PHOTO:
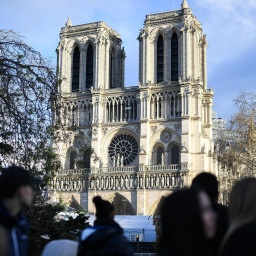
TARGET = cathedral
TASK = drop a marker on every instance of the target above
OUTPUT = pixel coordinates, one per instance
(133, 145)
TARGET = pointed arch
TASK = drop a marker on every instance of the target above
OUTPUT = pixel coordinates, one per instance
(75, 69)
(157, 154)
(112, 68)
(89, 66)
(174, 57)
(155, 208)
(173, 154)
(72, 161)
(87, 159)
(160, 59)
(121, 204)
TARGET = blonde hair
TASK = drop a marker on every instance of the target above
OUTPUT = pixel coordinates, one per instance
(242, 205)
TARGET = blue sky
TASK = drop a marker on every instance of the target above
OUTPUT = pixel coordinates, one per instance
(229, 26)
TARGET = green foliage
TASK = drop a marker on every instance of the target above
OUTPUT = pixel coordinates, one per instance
(44, 222)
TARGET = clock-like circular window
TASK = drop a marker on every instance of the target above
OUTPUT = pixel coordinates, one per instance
(166, 136)
(123, 149)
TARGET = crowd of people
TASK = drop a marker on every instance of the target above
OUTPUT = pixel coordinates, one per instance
(192, 222)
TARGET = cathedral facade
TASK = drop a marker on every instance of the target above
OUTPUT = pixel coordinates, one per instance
(132, 145)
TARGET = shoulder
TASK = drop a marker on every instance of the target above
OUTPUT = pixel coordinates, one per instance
(61, 247)
(242, 241)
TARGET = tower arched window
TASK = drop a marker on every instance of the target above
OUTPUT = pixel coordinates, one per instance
(72, 160)
(112, 69)
(175, 155)
(89, 66)
(75, 69)
(160, 59)
(87, 163)
(174, 57)
(159, 155)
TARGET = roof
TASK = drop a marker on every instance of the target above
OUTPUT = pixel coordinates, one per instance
(132, 222)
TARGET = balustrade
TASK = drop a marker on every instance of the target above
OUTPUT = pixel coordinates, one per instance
(121, 178)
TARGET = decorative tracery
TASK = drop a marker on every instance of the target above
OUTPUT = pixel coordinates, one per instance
(123, 149)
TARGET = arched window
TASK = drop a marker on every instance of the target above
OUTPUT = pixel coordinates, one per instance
(175, 155)
(87, 162)
(75, 69)
(112, 69)
(159, 155)
(72, 160)
(174, 57)
(160, 59)
(89, 66)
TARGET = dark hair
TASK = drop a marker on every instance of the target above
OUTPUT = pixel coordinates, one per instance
(103, 207)
(209, 183)
(182, 226)
(11, 179)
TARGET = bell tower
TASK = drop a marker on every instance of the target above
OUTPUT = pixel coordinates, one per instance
(172, 46)
(90, 56)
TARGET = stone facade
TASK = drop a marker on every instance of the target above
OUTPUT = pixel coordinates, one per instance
(148, 139)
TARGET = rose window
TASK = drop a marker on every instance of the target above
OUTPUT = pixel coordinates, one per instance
(123, 149)
(166, 136)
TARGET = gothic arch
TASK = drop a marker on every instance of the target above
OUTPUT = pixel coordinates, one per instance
(158, 154)
(71, 156)
(112, 67)
(75, 68)
(71, 44)
(105, 142)
(155, 208)
(156, 136)
(157, 32)
(88, 41)
(90, 56)
(121, 204)
(173, 29)
(174, 57)
(173, 153)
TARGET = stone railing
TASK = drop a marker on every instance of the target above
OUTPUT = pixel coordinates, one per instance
(121, 178)
(72, 172)
(124, 169)
(112, 181)
(160, 168)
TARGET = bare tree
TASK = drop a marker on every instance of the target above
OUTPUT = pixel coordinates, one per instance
(28, 93)
(236, 145)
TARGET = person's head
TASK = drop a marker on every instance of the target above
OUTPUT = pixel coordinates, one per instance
(242, 201)
(188, 221)
(16, 183)
(209, 183)
(104, 209)
(242, 205)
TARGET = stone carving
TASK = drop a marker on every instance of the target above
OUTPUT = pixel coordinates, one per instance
(79, 142)
(153, 129)
(177, 127)
(104, 130)
(137, 129)
(95, 131)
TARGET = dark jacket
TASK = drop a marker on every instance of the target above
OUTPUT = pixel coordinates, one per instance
(105, 238)
(16, 230)
(242, 242)
(222, 226)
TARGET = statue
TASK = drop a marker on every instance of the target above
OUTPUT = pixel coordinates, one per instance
(162, 159)
(122, 160)
(118, 160)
